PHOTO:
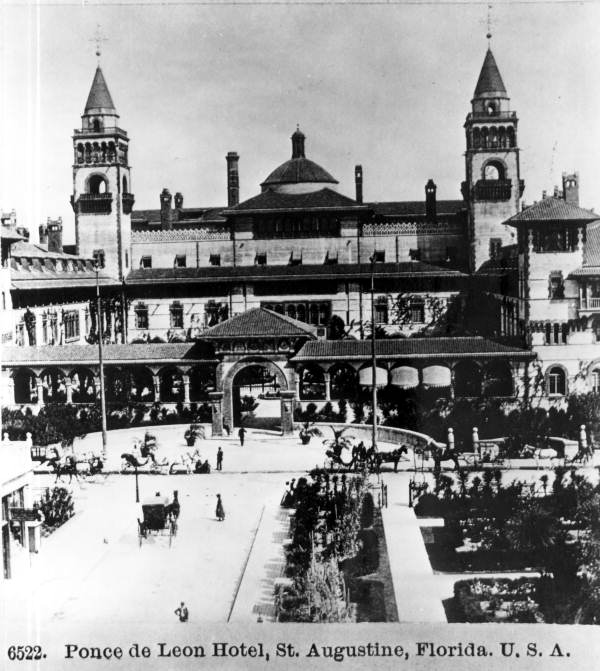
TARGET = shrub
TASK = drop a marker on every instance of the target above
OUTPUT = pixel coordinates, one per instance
(57, 506)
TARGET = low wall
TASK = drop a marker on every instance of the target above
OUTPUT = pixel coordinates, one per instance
(386, 434)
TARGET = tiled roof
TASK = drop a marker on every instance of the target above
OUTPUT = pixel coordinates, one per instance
(407, 348)
(259, 322)
(552, 209)
(67, 281)
(99, 98)
(416, 208)
(272, 200)
(32, 250)
(126, 354)
(299, 170)
(591, 255)
(275, 273)
(187, 218)
(489, 80)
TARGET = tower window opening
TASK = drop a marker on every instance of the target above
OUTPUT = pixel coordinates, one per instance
(180, 261)
(97, 185)
(96, 125)
(556, 285)
(214, 259)
(146, 262)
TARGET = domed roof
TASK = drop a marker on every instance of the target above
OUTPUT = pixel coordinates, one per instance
(298, 169)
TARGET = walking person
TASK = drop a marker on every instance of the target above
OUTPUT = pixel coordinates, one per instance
(182, 612)
(219, 459)
(241, 435)
(220, 511)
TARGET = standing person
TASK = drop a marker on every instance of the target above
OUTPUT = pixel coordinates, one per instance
(219, 459)
(241, 434)
(182, 612)
(220, 511)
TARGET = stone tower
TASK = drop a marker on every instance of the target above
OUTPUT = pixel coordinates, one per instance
(102, 198)
(493, 185)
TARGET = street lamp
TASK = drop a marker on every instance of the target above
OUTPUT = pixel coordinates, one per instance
(373, 355)
(100, 363)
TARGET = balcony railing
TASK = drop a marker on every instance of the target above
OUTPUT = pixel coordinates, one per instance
(109, 130)
(493, 189)
(591, 303)
(95, 203)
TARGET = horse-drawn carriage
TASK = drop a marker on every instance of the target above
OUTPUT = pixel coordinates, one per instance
(159, 517)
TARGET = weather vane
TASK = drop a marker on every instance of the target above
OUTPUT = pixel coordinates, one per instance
(98, 39)
(489, 24)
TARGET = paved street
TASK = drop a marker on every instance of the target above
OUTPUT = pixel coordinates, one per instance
(93, 571)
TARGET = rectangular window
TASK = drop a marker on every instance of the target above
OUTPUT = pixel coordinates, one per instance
(180, 261)
(146, 262)
(417, 312)
(71, 324)
(415, 254)
(556, 285)
(99, 257)
(331, 259)
(378, 256)
(381, 310)
(495, 247)
(141, 316)
(176, 315)
(260, 259)
(215, 260)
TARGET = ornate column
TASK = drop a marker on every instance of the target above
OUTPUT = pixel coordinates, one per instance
(216, 398)
(452, 383)
(40, 390)
(10, 386)
(287, 412)
(186, 387)
(97, 386)
(69, 389)
(156, 382)
(327, 379)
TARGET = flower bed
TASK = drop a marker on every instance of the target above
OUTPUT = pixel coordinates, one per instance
(497, 600)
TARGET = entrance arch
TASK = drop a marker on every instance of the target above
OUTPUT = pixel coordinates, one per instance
(273, 380)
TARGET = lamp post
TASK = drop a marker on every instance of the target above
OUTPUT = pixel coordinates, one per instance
(100, 363)
(373, 355)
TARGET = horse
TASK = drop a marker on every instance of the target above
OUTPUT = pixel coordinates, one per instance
(440, 453)
(186, 460)
(378, 458)
(64, 466)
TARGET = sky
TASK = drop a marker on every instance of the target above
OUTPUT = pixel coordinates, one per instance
(387, 85)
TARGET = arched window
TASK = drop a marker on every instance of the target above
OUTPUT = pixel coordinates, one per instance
(476, 138)
(125, 184)
(557, 381)
(511, 137)
(96, 125)
(97, 184)
(491, 172)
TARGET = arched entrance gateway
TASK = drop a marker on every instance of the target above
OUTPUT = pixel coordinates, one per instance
(255, 349)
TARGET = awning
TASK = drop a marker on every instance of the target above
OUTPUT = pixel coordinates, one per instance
(436, 376)
(405, 377)
(365, 377)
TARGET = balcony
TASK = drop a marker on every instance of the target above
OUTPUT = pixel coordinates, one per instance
(109, 130)
(591, 303)
(95, 203)
(493, 189)
(127, 199)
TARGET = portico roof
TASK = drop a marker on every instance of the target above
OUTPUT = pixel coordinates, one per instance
(260, 323)
(408, 348)
(82, 355)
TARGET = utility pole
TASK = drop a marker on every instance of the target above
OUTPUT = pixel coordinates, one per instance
(101, 363)
(373, 355)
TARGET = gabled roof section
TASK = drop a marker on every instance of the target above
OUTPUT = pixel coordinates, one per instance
(99, 99)
(489, 80)
(315, 200)
(552, 209)
(259, 322)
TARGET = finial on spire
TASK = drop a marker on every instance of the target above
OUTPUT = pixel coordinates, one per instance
(98, 39)
(489, 24)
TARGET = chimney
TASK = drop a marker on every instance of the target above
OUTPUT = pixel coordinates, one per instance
(54, 229)
(178, 200)
(21, 230)
(358, 181)
(43, 234)
(233, 180)
(571, 188)
(430, 200)
(166, 221)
